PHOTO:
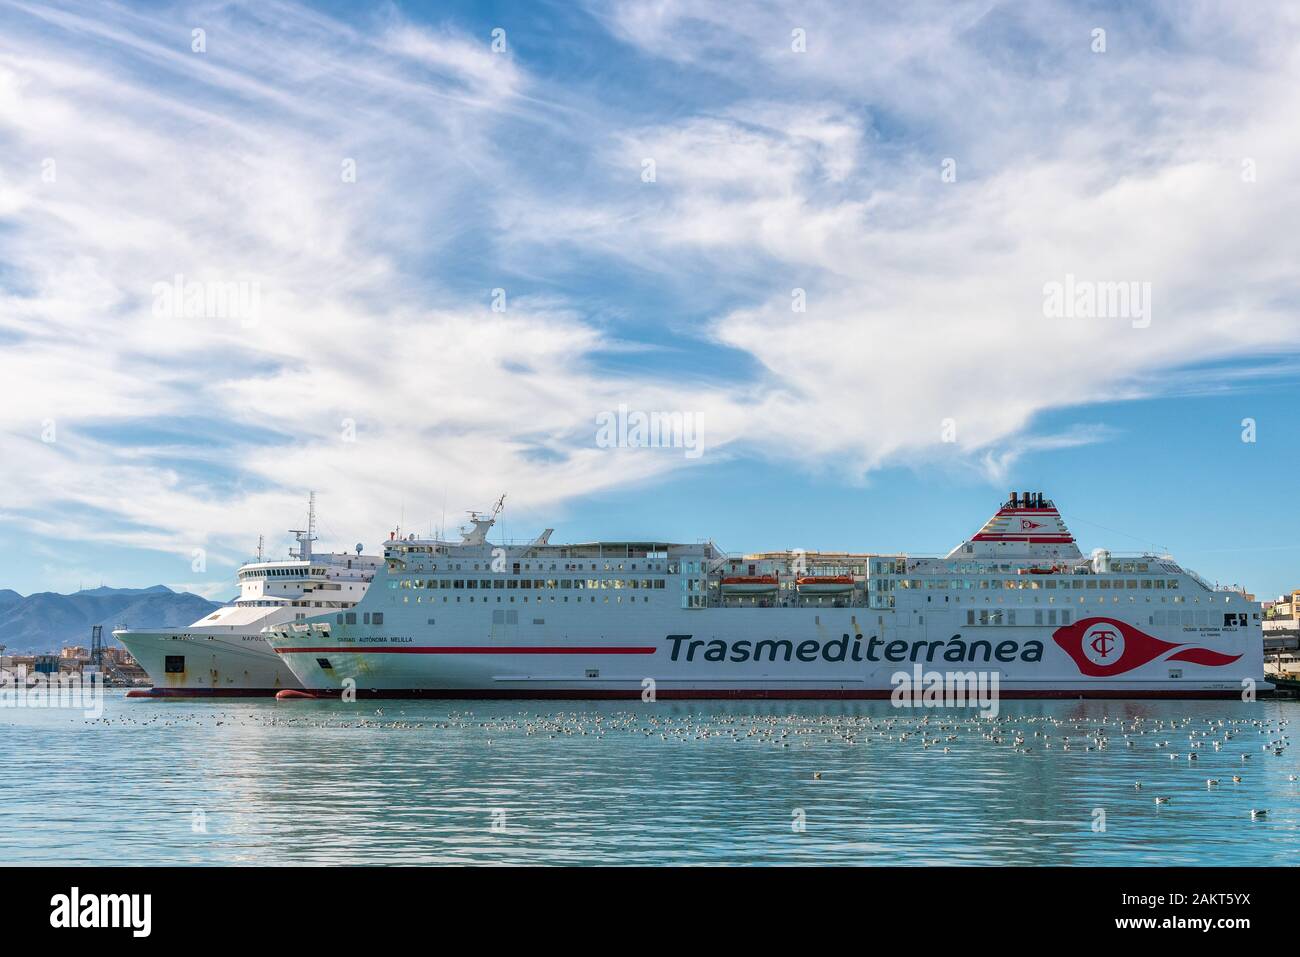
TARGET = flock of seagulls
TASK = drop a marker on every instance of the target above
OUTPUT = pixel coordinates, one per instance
(1182, 739)
(1217, 734)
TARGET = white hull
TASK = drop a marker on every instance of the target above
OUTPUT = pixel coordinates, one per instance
(677, 652)
(235, 663)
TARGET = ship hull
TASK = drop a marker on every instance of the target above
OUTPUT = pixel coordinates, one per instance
(228, 664)
(768, 653)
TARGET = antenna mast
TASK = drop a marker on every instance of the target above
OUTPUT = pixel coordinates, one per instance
(305, 538)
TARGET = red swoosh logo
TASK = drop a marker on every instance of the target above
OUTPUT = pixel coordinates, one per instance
(1204, 656)
(1104, 647)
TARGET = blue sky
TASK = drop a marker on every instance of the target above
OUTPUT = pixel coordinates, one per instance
(921, 174)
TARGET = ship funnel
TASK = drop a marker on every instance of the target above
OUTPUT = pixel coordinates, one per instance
(1027, 525)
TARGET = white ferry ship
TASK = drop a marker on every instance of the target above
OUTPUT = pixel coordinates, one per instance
(225, 653)
(616, 619)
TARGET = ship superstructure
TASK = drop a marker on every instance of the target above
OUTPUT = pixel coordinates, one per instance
(627, 619)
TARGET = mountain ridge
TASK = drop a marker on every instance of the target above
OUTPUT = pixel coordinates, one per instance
(44, 622)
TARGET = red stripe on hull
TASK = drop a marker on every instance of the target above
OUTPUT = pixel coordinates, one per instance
(203, 692)
(469, 650)
(745, 694)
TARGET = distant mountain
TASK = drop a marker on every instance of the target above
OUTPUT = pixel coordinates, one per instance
(105, 590)
(45, 622)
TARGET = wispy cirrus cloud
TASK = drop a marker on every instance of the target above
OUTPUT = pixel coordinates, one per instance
(378, 370)
(367, 374)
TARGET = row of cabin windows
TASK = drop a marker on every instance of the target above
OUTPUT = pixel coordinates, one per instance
(516, 567)
(285, 572)
(591, 584)
(1100, 599)
(1080, 600)
(1185, 618)
(1034, 584)
(244, 603)
(618, 599)
(1115, 566)
(367, 618)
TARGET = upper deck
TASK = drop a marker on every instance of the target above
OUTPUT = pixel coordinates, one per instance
(1002, 564)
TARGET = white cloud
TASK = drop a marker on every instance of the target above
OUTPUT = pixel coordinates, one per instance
(775, 170)
(924, 297)
(450, 400)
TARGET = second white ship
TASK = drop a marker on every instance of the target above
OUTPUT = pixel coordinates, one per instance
(225, 653)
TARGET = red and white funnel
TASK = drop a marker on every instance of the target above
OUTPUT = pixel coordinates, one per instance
(1026, 526)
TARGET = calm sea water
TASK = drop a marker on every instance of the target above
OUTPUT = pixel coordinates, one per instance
(261, 782)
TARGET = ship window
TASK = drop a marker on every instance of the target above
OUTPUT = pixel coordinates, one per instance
(377, 618)
(174, 664)
(325, 664)
(351, 618)
(338, 619)
(365, 618)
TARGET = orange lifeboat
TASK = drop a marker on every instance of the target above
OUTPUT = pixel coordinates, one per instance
(1039, 570)
(824, 584)
(749, 584)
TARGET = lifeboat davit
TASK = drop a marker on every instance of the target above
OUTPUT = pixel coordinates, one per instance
(824, 584)
(749, 584)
